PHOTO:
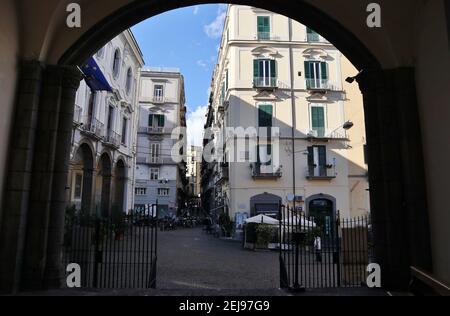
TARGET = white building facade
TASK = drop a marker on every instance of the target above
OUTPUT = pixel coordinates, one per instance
(161, 153)
(273, 72)
(103, 153)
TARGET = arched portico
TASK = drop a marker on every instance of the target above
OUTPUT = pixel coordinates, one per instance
(81, 178)
(388, 83)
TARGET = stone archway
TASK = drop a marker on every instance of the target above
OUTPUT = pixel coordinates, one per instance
(103, 186)
(120, 178)
(265, 203)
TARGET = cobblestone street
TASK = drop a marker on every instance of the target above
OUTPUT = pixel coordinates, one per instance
(191, 259)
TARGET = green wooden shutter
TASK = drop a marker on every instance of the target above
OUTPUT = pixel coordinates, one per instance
(322, 156)
(273, 68)
(150, 120)
(308, 70)
(318, 120)
(256, 68)
(310, 156)
(265, 115)
(162, 120)
(324, 70)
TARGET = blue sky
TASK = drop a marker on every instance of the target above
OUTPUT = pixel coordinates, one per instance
(188, 39)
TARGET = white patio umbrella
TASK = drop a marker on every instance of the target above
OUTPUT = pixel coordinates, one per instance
(262, 219)
(299, 221)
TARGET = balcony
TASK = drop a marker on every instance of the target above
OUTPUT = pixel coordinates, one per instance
(159, 99)
(266, 36)
(321, 134)
(92, 127)
(150, 160)
(318, 85)
(223, 173)
(112, 139)
(265, 83)
(315, 38)
(155, 130)
(314, 172)
(260, 171)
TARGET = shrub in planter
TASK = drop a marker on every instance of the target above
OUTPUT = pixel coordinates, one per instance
(226, 224)
(264, 235)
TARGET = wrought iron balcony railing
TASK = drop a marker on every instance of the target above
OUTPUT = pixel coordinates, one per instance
(320, 84)
(327, 172)
(92, 126)
(112, 138)
(265, 82)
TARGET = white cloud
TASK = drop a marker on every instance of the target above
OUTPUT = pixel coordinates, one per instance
(196, 9)
(202, 64)
(215, 28)
(195, 126)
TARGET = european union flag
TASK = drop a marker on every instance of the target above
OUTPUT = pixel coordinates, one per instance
(94, 76)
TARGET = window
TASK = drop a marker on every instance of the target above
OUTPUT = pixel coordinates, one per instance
(311, 35)
(263, 28)
(78, 186)
(116, 63)
(140, 191)
(110, 121)
(154, 174)
(318, 120)
(163, 192)
(158, 92)
(156, 120)
(129, 80)
(265, 114)
(124, 131)
(316, 73)
(264, 72)
(155, 152)
(317, 160)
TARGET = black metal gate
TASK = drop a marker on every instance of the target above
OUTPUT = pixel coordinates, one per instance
(115, 252)
(323, 252)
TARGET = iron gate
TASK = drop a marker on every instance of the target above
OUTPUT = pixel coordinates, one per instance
(115, 252)
(323, 253)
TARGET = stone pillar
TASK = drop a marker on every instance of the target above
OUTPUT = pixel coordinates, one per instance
(35, 251)
(17, 183)
(396, 174)
(54, 271)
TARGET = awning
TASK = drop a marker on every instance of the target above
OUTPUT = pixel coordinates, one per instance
(94, 76)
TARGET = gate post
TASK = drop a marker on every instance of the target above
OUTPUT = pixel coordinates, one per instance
(338, 249)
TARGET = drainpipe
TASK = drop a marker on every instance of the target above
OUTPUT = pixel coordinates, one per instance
(291, 66)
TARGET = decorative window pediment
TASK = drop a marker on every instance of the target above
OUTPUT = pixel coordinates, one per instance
(316, 53)
(264, 51)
